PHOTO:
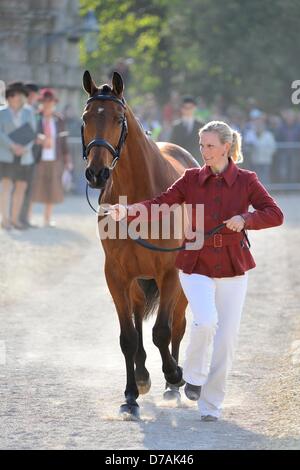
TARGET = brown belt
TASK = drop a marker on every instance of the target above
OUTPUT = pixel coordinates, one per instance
(224, 239)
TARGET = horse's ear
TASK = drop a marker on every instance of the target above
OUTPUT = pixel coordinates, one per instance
(118, 84)
(88, 83)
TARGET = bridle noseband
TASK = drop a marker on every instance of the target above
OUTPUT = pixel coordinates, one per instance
(99, 142)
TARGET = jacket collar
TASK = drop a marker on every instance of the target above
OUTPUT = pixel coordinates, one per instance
(229, 174)
(21, 113)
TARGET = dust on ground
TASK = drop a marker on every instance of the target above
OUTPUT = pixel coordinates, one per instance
(62, 373)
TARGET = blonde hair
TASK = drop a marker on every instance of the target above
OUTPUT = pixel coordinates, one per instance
(226, 134)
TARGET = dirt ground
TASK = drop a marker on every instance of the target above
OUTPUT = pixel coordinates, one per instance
(62, 374)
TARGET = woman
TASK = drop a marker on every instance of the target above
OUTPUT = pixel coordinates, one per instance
(54, 158)
(15, 159)
(214, 279)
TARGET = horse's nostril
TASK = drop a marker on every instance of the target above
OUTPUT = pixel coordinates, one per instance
(104, 174)
(94, 179)
(89, 174)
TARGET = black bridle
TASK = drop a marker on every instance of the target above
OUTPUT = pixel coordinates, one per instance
(98, 141)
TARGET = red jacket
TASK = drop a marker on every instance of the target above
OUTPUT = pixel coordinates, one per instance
(225, 195)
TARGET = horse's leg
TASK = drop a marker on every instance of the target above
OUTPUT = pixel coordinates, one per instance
(142, 376)
(119, 289)
(141, 373)
(178, 330)
(169, 288)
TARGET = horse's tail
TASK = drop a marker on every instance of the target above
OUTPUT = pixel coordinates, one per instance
(151, 292)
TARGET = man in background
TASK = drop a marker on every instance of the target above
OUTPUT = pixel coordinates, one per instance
(32, 103)
(185, 130)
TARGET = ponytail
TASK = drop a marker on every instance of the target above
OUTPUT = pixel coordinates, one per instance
(235, 151)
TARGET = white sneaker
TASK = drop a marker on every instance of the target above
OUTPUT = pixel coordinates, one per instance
(51, 224)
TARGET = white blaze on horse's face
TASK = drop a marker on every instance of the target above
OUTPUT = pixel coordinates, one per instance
(100, 110)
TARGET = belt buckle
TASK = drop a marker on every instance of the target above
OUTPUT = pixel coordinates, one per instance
(218, 240)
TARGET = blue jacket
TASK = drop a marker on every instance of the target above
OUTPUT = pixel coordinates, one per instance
(7, 126)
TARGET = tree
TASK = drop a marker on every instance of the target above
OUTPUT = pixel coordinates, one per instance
(132, 29)
(237, 49)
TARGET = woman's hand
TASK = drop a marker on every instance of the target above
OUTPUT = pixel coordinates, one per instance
(235, 223)
(40, 139)
(117, 212)
(18, 150)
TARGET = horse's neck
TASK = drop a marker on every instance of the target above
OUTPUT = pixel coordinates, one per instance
(139, 166)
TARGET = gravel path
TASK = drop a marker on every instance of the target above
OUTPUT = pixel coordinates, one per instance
(62, 373)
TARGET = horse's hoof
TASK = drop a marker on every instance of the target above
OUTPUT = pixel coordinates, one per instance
(172, 394)
(130, 412)
(176, 377)
(144, 386)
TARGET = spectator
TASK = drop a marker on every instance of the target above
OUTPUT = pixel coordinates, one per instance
(185, 132)
(33, 95)
(288, 157)
(54, 158)
(15, 159)
(249, 135)
(264, 147)
(236, 118)
(32, 103)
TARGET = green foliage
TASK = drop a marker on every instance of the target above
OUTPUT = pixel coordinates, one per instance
(237, 49)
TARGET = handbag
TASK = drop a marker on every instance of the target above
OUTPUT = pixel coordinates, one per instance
(67, 180)
(37, 152)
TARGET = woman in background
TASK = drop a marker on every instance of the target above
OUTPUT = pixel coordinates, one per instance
(54, 158)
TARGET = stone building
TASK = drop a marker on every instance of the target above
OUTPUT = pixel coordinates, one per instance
(39, 43)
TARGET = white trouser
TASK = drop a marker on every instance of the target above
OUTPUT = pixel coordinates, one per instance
(216, 305)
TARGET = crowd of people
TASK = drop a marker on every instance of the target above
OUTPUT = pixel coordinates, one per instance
(33, 154)
(35, 159)
(271, 143)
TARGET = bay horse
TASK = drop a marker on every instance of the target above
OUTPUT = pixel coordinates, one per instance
(122, 160)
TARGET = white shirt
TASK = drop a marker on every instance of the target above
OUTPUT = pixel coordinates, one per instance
(189, 124)
(48, 154)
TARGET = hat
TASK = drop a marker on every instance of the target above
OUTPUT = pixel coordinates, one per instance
(47, 94)
(15, 87)
(32, 87)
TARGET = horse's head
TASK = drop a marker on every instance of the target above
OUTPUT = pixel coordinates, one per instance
(104, 128)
